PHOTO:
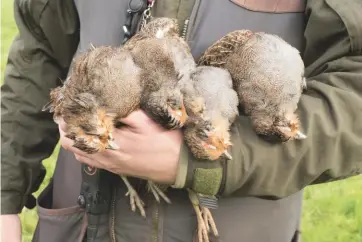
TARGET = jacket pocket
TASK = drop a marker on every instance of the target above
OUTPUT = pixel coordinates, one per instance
(58, 225)
(273, 6)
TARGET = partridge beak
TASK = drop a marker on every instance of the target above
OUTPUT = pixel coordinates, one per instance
(181, 115)
(227, 154)
(300, 135)
(112, 145)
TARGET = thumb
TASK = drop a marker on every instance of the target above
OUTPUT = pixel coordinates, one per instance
(62, 125)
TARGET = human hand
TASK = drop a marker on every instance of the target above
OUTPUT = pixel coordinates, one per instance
(146, 150)
(10, 228)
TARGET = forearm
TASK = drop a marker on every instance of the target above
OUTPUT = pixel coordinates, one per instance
(39, 57)
(331, 118)
(330, 112)
(10, 228)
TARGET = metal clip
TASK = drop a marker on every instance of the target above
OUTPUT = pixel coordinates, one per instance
(146, 15)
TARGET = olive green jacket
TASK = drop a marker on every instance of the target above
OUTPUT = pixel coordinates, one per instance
(330, 111)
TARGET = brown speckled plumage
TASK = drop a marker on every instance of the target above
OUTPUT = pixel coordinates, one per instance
(268, 75)
(103, 86)
(165, 59)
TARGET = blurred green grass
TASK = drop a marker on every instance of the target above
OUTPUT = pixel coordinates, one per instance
(332, 212)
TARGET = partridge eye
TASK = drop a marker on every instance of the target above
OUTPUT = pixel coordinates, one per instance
(202, 134)
(172, 104)
(92, 134)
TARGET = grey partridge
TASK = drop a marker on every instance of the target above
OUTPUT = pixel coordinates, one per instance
(207, 134)
(166, 63)
(103, 87)
(268, 75)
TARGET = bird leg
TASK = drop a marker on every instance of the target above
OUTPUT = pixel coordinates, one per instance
(156, 191)
(202, 228)
(209, 220)
(134, 198)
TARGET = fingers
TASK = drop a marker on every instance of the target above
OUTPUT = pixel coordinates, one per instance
(67, 143)
(88, 161)
(138, 119)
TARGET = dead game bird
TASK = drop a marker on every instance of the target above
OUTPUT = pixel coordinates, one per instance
(268, 75)
(167, 62)
(161, 97)
(103, 87)
(208, 135)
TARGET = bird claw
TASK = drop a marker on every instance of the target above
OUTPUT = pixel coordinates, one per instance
(135, 200)
(299, 135)
(227, 154)
(205, 221)
(157, 193)
(209, 221)
(112, 145)
(202, 228)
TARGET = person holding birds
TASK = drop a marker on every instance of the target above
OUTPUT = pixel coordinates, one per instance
(261, 184)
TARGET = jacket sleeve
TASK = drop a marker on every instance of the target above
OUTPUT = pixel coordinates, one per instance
(330, 113)
(39, 57)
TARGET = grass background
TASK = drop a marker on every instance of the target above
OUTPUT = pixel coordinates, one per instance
(332, 212)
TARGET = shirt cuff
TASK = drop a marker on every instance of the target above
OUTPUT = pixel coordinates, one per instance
(182, 167)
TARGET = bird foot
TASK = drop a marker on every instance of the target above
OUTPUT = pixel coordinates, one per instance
(209, 220)
(135, 200)
(202, 228)
(204, 219)
(157, 193)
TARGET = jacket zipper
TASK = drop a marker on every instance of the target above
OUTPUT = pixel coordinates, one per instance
(190, 22)
(113, 216)
(186, 31)
(155, 224)
(185, 28)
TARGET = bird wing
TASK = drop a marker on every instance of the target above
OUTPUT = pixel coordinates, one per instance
(215, 55)
(215, 85)
(158, 28)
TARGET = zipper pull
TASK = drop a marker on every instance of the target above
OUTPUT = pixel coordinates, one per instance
(184, 29)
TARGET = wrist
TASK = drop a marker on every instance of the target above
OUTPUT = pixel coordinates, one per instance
(202, 176)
